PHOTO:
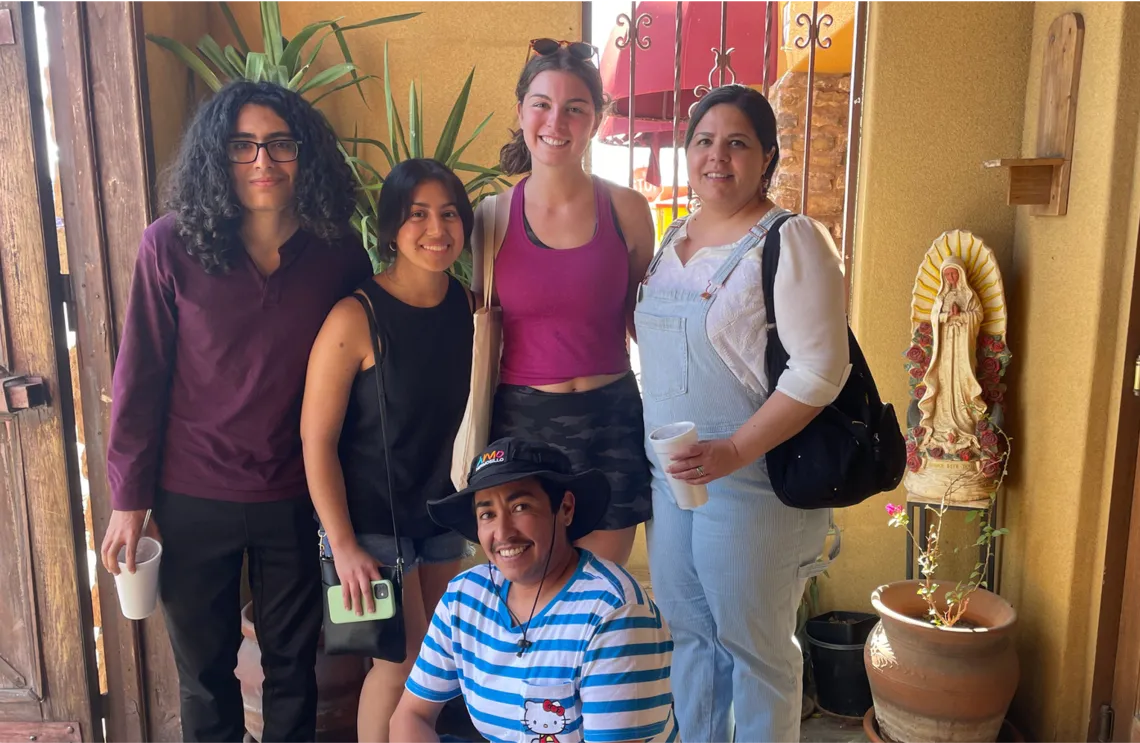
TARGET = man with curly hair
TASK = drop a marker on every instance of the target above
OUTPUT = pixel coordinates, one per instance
(230, 288)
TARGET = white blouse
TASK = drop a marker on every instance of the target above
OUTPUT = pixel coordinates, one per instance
(811, 312)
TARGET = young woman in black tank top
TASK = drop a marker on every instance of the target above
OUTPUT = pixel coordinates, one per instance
(424, 323)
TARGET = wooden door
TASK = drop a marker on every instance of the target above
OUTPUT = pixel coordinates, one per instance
(48, 681)
(1125, 715)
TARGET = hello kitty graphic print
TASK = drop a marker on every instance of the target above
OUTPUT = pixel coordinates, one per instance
(545, 719)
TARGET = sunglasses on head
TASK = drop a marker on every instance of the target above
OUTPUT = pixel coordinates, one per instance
(577, 49)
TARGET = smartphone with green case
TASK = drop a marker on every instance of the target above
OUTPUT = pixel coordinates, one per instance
(381, 593)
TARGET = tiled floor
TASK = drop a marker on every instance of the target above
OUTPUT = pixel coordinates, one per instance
(822, 727)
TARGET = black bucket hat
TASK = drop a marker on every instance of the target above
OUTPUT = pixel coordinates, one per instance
(510, 460)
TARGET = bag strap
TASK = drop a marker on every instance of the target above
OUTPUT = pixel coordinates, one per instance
(490, 247)
(379, 377)
(776, 356)
(670, 231)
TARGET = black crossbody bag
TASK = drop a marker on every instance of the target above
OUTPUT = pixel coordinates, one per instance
(854, 448)
(385, 639)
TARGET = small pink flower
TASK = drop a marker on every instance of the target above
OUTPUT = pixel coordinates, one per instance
(919, 391)
(994, 396)
(911, 447)
(913, 462)
(916, 354)
(991, 365)
(936, 452)
(989, 439)
(919, 432)
(991, 468)
(983, 425)
(925, 328)
(997, 346)
(964, 455)
(893, 509)
(918, 372)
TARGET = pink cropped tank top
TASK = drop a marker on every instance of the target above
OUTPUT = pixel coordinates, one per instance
(563, 310)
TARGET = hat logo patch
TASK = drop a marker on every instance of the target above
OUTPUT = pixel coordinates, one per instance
(491, 457)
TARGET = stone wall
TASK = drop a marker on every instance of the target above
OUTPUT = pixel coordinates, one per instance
(826, 176)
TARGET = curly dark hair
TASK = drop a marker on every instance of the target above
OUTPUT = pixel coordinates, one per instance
(200, 189)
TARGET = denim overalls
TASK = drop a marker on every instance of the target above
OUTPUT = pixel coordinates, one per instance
(728, 576)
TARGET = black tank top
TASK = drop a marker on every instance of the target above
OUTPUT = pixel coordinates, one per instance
(427, 376)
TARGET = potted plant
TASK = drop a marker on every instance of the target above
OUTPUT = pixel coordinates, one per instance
(941, 663)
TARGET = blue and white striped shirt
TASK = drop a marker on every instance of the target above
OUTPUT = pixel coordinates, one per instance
(598, 670)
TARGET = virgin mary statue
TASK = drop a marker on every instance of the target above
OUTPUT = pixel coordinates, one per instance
(952, 405)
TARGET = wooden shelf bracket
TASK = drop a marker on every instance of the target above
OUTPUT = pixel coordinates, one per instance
(1042, 182)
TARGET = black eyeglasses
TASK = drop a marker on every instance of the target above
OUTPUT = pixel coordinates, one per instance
(245, 151)
(577, 49)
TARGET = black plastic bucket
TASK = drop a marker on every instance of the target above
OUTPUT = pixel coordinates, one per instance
(835, 643)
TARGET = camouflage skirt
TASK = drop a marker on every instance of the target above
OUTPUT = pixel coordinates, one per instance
(599, 429)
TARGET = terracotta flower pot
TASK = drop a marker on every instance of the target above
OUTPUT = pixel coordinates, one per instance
(935, 684)
(339, 678)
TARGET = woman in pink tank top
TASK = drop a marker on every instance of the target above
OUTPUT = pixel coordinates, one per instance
(572, 254)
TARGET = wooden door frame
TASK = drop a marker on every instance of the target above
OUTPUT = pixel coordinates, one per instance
(102, 119)
(1116, 669)
(68, 704)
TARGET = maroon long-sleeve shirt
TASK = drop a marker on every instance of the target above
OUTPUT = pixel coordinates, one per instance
(211, 369)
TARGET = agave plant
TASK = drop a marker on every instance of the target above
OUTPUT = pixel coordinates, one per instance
(283, 61)
(403, 145)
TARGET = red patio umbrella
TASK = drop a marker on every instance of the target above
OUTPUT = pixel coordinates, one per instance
(656, 66)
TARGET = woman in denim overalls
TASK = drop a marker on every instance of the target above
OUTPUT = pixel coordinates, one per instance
(729, 574)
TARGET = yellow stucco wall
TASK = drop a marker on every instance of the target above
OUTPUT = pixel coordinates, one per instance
(933, 113)
(172, 87)
(1070, 292)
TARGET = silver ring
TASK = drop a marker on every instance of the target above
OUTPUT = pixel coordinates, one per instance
(700, 470)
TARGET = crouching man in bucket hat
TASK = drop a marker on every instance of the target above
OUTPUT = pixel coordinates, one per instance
(546, 643)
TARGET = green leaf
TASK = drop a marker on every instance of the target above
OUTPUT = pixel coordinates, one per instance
(983, 584)
(454, 121)
(316, 50)
(292, 54)
(478, 130)
(278, 74)
(971, 516)
(189, 58)
(478, 182)
(378, 21)
(375, 143)
(296, 79)
(236, 60)
(415, 130)
(342, 86)
(981, 541)
(395, 128)
(355, 134)
(326, 76)
(1002, 532)
(255, 66)
(469, 168)
(340, 40)
(211, 51)
(271, 31)
(232, 22)
(354, 162)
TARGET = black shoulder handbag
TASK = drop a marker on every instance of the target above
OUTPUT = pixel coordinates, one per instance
(385, 639)
(854, 448)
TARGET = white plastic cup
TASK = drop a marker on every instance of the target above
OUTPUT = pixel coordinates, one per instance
(665, 441)
(138, 591)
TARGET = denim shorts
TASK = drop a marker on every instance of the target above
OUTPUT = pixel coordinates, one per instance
(428, 551)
